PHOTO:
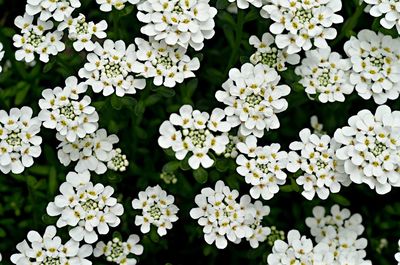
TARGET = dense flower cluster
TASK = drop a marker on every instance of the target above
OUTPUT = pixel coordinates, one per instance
(388, 10)
(49, 250)
(36, 38)
(326, 75)
(375, 65)
(268, 54)
(370, 148)
(89, 209)
(253, 98)
(118, 251)
(262, 167)
(158, 209)
(321, 171)
(59, 10)
(62, 110)
(225, 218)
(195, 133)
(300, 25)
(167, 64)
(93, 152)
(19, 142)
(181, 23)
(110, 69)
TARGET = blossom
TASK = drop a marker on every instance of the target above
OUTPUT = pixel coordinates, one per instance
(167, 64)
(62, 110)
(375, 65)
(110, 69)
(195, 133)
(300, 25)
(118, 251)
(1, 56)
(158, 209)
(370, 146)
(181, 23)
(118, 161)
(89, 209)
(224, 216)
(82, 32)
(58, 10)
(262, 167)
(268, 54)
(244, 4)
(325, 75)
(397, 256)
(253, 98)
(94, 152)
(321, 171)
(48, 250)
(19, 142)
(36, 38)
(107, 5)
(388, 10)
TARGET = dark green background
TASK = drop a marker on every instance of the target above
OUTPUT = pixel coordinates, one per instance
(136, 119)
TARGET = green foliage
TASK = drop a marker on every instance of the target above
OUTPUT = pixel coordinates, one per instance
(23, 198)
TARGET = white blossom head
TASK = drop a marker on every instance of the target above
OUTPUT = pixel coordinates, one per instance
(48, 9)
(118, 251)
(387, 10)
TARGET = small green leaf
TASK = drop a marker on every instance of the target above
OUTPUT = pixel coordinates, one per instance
(201, 175)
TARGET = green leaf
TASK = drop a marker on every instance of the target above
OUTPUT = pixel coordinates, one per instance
(200, 175)
(340, 199)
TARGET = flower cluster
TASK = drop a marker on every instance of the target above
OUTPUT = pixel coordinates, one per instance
(326, 75)
(375, 65)
(340, 231)
(118, 251)
(181, 23)
(167, 64)
(1, 56)
(321, 171)
(85, 207)
(107, 5)
(118, 161)
(36, 38)
(262, 167)
(58, 10)
(224, 218)
(197, 133)
(110, 69)
(49, 250)
(82, 32)
(93, 152)
(302, 24)
(253, 98)
(388, 10)
(370, 148)
(19, 142)
(62, 110)
(158, 209)
(268, 54)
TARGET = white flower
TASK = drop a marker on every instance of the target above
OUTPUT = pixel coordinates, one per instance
(93, 152)
(341, 231)
(178, 22)
(49, 250)
(224, 217)
(262, 167)
(375, 65)
(1, 56)
(397, 256)
(168, 65)
(118, 161)
(36, 38)
(321, 171)
(388, 10)
(110, 69)
(253, 98)
(117, 251)
(195, 133)
(62, 110)
(158, 209)
(302, 24)
(19, 142)
(243, 4)
(325, 75)
(107, 5)
(268, 54)
(88, 208)
(82, 32)
(370, 148)
(318, 127)
(59, 10)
